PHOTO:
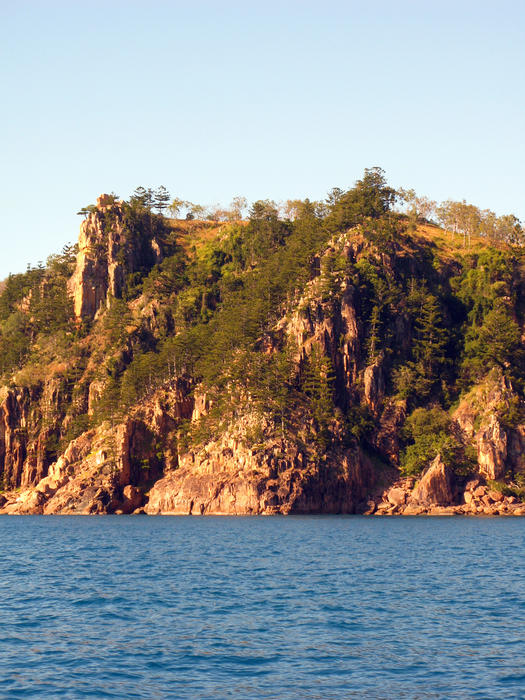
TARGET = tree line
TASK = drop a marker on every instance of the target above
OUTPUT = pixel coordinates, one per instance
(465, 219)
(459, 217)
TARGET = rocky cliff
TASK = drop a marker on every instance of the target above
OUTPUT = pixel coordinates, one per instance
(193, 396)
(107, 253)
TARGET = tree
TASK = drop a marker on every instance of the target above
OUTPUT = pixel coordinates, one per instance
(176, 206)
(374, 336)
(149, 200)
(86, 211)
(264, 210)
(139, 197)
(196, 211)
(418, 207)
(497, 342)
(509, 229)
(419, 375)
(269, 379)
(161, 199)
(448, 215)
(371, 197)
(291, 208)
(333, 197)
(318, 385)
(429, 431)
(238, 207)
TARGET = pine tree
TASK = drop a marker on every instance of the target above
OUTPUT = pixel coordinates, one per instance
(374, 337)
(139, 197)
(318, 385)
(161, 199)
(149, 201)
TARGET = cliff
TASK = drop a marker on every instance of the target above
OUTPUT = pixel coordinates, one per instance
(108, 251)
(279, 367)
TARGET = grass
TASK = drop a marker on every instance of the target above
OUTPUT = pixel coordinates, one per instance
(195, 233)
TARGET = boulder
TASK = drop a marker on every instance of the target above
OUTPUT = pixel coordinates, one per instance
(435, 486)
(396, 496)
(413, 509)
(133, 499)
(472, 484)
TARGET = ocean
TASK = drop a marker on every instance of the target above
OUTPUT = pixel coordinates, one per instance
(264, 607)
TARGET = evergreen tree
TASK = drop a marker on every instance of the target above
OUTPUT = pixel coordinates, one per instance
(370, 197)
(139, 197)
(496, 342)
(318, 385)
(161, 199)
(374, 337)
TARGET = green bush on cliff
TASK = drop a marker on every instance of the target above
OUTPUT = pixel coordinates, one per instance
(428, 430)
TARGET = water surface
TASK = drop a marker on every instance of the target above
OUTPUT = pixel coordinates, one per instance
(296, 607)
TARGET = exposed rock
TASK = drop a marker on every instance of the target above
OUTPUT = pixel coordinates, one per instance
(435, 486)
(110, 469)
(96, 389)
(413, 509)
(442, 510)
(492, 450)
(478, 419)
(397, 496)
(370, 507)
(106, 254)
(374, 384)
(471, 485)
(133, 499)
(136, 453)
(234, 480)
(29, 420)
(386, 438)
(105, 200)
(516, 449)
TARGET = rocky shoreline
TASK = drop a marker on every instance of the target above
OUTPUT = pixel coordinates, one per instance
(477, 500)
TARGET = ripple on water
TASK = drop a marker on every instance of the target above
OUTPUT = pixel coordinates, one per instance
(299, 607)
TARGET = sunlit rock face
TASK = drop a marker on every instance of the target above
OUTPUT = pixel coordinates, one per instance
(106, 254)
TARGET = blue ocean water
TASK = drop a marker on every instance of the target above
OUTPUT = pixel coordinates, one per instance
(296, 607)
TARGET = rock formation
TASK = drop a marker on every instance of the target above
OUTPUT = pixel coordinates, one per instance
(435, 486)
(59, 453)
(107, 252)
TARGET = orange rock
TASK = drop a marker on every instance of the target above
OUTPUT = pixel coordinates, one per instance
(435, 486)
(396, 496)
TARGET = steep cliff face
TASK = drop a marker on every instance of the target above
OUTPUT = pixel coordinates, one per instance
(231, 478)
(108, 469)
(107, 253)
(29, 427)
(481, 418)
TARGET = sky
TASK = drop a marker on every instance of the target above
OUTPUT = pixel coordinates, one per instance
(276, 100)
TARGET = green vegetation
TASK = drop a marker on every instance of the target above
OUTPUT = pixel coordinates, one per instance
(430, 433)
(236, 313)
(35, 305)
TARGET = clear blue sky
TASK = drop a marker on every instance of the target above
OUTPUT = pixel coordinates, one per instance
(261, 99)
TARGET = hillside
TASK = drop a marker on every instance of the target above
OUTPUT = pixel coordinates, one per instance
(348, 359)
